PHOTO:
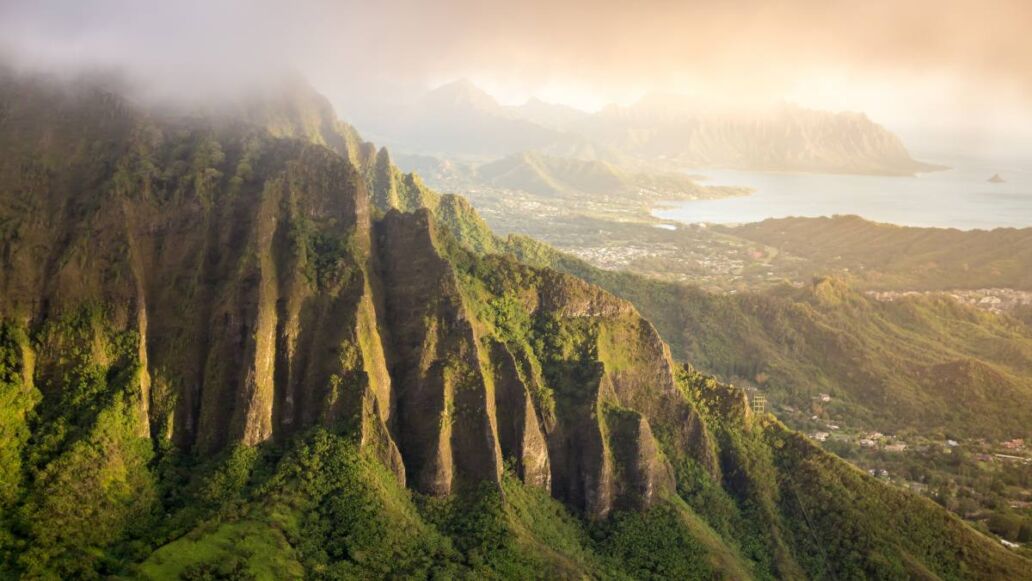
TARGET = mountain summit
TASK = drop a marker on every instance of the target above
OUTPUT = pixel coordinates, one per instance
(461, 95)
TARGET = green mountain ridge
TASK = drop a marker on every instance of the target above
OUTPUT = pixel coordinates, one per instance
(888, 257)
(231, 350)
(923, 363)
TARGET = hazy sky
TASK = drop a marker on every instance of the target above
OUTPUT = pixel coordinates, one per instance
(943, 66)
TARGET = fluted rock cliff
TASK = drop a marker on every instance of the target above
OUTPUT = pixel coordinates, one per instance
(232, 341)
(248, 270)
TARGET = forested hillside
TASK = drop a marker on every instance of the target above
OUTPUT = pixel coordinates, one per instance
(926, 363)
(243, 345)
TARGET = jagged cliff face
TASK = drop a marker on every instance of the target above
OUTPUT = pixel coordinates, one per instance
(182, 292)
(265, 299)
(214, 247)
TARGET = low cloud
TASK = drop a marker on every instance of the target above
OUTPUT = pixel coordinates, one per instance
(364, 49)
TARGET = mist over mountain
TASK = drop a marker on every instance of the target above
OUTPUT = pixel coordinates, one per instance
(782, 138)
(551, 115)
(459, 119)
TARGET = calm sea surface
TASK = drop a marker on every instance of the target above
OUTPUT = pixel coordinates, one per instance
(960, 197)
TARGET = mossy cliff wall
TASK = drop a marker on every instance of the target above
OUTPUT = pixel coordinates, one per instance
(264, 298)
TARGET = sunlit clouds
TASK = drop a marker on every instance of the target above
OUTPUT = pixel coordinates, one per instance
(941, 63)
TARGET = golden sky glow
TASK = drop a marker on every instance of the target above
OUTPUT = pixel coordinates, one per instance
(957, 63)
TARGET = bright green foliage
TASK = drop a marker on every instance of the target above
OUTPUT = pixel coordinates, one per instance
(88, 484)
(356, 519)
(666, 542)
(336, 513)
(17, 399)
(455, 214)
(244, 549)
(847, 525)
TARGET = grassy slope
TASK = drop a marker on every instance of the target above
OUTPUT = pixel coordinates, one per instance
(884, 256)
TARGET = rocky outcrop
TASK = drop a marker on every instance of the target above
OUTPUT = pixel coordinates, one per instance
(644, 475)
(520, 433)
(447, 429)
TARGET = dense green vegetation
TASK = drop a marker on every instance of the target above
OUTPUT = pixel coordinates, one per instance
(921, 362)
(288, 383)
(81, 479)
(888, 257)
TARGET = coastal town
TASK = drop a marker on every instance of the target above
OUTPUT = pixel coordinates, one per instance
(994, 300)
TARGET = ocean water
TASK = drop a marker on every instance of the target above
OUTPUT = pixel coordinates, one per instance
(960, 197)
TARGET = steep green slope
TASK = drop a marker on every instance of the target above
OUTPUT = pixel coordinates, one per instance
(884, 256)
(219, 358)
(925, 363)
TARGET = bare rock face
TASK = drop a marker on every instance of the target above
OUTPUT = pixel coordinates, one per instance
(646, 476)
(582, 464)
(447, 427)
(519, 429)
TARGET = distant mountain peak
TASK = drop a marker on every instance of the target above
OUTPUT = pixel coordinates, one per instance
(462, 93)
(552, 115)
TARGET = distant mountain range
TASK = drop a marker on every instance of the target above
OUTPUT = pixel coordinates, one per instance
(459, 119)
(549, 176)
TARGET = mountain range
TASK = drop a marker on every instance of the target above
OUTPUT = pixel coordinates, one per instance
(460, 120)
(243, 344)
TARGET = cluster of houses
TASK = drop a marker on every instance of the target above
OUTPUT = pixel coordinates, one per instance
(877, 440)
(878, 472)
(994, 300)
(1005, 451)
(1015, 444)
